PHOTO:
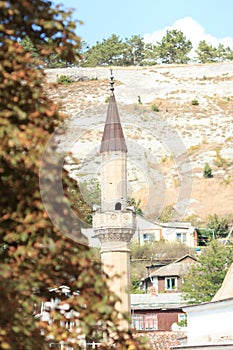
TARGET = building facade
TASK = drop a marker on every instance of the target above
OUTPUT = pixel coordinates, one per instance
(168, 278)
(161, 312)
(148, 231)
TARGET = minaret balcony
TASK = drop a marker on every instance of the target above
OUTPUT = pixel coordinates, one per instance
(114, 219)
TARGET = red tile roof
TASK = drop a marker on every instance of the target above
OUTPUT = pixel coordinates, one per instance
(163, 340)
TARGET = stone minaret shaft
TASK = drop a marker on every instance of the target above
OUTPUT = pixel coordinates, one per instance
(114, 225)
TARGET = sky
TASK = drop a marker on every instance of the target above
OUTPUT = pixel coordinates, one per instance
(209, 20)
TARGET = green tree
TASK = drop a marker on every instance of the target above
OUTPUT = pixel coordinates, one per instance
(221, 53)
(206, 53)
(219, 225)
(135, 286)
(205, 278)
(51, 61)
(229, 54)
(167, 214)
(151, 54)
(136, 50)
(174, 47)
(108, 52)
(112, 50)
(92, 57)
(91, 191)
(35, 256)
(207, 171)
(136, 204)
(85, 48)
(29, 47)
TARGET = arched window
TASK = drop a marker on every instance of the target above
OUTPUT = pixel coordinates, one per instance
(118, 206)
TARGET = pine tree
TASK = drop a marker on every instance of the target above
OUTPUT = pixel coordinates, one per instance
(174, 47)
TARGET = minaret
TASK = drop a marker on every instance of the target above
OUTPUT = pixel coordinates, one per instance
(114, 225)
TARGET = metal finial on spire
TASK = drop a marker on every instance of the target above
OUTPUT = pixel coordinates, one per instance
(113, 137)
(111, 81)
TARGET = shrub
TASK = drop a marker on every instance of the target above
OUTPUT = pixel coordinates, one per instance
(207, 171)
(164, 159)
(195, 102)
(219, 161)
(64, 79)
(155, 108)
(167, 214)
(139, 100)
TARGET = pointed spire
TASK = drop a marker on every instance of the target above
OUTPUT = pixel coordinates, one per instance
(113, 137)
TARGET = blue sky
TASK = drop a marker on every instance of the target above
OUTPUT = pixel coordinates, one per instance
(207, 19)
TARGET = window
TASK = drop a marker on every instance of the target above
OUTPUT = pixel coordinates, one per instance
(144, 322)
(170, 283)
(148, 237)
(118, 206)
(181, 237)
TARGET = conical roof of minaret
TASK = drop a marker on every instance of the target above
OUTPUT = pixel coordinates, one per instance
(113, 137)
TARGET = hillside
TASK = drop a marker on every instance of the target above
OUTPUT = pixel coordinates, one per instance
(167, 149)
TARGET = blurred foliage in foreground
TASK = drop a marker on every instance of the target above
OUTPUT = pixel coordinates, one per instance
(35, 256)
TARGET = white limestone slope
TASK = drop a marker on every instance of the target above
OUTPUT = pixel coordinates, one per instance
(167, 149)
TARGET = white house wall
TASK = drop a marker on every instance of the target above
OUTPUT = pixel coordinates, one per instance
(210, 322)
(170, 234)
